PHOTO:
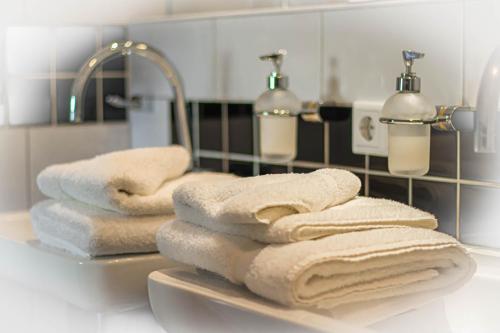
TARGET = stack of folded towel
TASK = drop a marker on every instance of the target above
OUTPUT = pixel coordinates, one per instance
(308, 240)
(113, 203)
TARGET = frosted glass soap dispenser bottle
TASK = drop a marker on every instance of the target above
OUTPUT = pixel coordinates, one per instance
(408, 114)
(277, 109)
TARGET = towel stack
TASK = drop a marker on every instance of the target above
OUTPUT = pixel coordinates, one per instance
(308, 240)
(113, 203)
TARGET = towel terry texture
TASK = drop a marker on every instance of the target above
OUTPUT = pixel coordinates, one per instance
(89, 231)
(328, 272)
(133, 182)
(265, 199)
(357, 214)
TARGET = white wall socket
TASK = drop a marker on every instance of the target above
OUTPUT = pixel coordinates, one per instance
(369, 135)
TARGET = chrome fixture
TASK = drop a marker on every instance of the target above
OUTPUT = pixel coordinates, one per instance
(119, 102)
(125, 48)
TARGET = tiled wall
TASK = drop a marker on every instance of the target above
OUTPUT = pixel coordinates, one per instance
(25, 151)
(41, 64)
(38, 66)
(64, 12)
(342, 55)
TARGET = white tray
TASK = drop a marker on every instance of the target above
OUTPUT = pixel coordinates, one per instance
(184, 299)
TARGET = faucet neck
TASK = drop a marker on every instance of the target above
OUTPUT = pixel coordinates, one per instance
(125, 48)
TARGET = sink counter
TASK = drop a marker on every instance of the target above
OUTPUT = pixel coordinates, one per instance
(113, 283)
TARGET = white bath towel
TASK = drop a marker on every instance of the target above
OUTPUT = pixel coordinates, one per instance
(88, 231)
(265, 199)
(133, 182)
(358, 214)
(324, 273)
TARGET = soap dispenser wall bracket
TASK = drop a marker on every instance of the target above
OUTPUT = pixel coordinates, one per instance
(448, 118)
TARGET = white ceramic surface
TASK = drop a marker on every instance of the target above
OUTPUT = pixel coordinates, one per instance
(20, 43)
(107, 284)
(197, 6)
(73, 46)
(481, 37)
(362, 51)
(241, 40)
(24, 310)
(177, 295)
(29, 101)
(13, 170)
(50, 145)
(190, 46)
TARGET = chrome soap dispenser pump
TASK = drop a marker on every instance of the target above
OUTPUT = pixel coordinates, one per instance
(408, 114)
(277, 109)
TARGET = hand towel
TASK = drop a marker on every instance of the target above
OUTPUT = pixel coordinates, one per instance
(87, 231)
(358, 214)
(265, 199)
(132, 182)
(328, 272)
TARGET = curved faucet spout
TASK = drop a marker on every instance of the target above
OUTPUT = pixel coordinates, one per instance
(118, 49)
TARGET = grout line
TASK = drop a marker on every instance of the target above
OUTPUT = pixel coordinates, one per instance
(107, 74)
(99, 81)
(478, 183)
(249, 158)
(326, 143)
(53, 82)
(255, 144)
(225, 137)
(410, 191)
(321, 52)
(4, 84)
(196, 132)
(458, 194)
(312, 165)
(463, 53)
(128, 87)
(367, 177)
(280, 10)
(216, 62)
(29, 197)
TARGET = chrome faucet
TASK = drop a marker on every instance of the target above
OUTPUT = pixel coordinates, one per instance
(125, 48)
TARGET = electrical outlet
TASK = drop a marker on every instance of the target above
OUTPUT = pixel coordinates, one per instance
(369, 135)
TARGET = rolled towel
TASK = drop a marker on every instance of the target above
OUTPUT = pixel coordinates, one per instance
(133, 182)
(87, 231)
(358, 214)
(325, 273)
(265, 199)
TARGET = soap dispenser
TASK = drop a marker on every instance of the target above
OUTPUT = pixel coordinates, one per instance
(408, 115)
(277, 110)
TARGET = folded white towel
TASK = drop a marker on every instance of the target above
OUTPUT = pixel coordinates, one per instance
(133, 182)
(88, 231)
(339, 269)
(265, 199)
(357, 214)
